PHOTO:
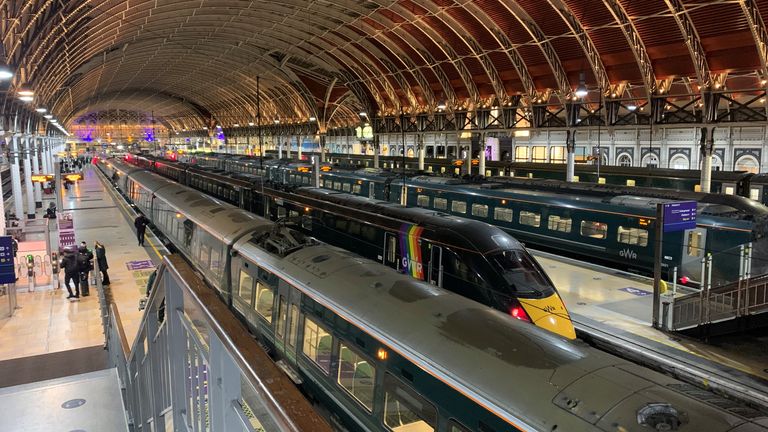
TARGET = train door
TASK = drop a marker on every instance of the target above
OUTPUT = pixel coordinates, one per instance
(390, 257)
(694, 247)
(371, 190)
(436, 265)
(287, 328)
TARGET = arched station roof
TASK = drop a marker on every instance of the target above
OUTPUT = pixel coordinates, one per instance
(195, 63)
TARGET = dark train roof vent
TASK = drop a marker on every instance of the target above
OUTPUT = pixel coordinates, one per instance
(491, 186)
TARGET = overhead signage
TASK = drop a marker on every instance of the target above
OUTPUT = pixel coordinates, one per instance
(7, 268)
(41, 178)
(679, 216)
(74, 177)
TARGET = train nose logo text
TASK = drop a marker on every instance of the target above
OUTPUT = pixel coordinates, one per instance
(628, 254)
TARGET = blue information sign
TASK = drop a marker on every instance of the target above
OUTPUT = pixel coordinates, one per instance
(7, 272)
(679, 216)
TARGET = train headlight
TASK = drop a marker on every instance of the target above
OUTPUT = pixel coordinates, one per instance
(382, 354)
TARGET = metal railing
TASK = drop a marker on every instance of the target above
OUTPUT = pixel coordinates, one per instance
(194, 367)
(747, 296)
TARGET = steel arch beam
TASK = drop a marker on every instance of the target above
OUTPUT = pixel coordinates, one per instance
(692, 41)
(759, 32)
(635, 44)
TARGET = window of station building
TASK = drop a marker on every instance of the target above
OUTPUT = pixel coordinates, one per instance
(503, 214)
(530, 218)
(357, 376)
(265, 298)
(318, 345)
(557, 154)
(633, 236)
(695, 244)
(422, 200)
(406, 410)
(480, 210)
(558, 223)
(521, 154)
(595, 230)
(458, 206)
(624, 160)
(538, 154)
(441, 203)
(245, 287)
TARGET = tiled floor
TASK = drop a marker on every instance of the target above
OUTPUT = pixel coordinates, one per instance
(47, 321)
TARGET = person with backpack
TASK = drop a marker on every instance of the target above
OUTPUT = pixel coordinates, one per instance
(84, 266)
(140, 223)
(71, 272)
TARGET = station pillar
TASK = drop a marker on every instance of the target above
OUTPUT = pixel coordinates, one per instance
(28, 187)
(288, 148)
(468, 161)
(18, 203)
(298, 150)
(481, 156)
(422, 152)
(36, 169)
(322, 149)
(44, 155)
(376, 152)
(279, 148)
(570, 146)
(707, 147)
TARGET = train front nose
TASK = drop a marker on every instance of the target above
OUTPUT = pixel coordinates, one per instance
(550, 314)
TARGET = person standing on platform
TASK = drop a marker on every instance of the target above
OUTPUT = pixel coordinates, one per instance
(101, 258)
(71, 272)
(84, 265)
(50, 213)
(140, 223)
(15, 246)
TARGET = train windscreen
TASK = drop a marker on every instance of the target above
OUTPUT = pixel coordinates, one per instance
(521, 273)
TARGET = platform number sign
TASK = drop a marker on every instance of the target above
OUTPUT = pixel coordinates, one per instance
(7, 272)
(679, 216)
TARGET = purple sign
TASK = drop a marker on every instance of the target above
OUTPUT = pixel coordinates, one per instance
(139, 265)
(636, 291)
(679, 216)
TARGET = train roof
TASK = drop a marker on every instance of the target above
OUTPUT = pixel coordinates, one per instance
(527, 375)
(454, 230)
(670, 173)
(222, 220)
(120, 165)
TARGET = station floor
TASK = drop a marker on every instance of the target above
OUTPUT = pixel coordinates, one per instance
(621, 304)
(46, 321)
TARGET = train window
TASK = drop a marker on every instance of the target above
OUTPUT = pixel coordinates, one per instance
(458, 206)
(480, 210)
(264, 300)
(695, 246)
(356, 189)
(337, 185)
(368, 233)
(188, 230)
(391, 249)
(454, 426)
(754, 194)
(729, 190)
(503, 214)
(318, 345)
(422, 200)
(595, 230)
(406, 410)
(216, 260)
(282, 312)
(354, 228)
(441, 203)
(633, 236)
(245, 287)
(530, 218)
(205, 255)
(630, 182)
(557, 223)
(346, 187)
(357, 376)
(294, 329)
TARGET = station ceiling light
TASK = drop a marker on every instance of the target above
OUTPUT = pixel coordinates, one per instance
(581, 90)
(41, 110)
(277, 121)
(631, 107)
(26, 98)
(312, 119)
(5, 73)
(363, 114)
(48, 116)
(251, 123)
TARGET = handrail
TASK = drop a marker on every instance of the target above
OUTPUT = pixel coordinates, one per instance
(113, 310)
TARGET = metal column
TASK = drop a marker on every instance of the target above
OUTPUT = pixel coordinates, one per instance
(36, 168)
(482, 156)
(570, 146)
(299, 149)
(422, 152)
(707, 147)
(28, 188)
(468, 161)
(18, 203)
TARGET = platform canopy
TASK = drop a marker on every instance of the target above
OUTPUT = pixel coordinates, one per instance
(194, 64)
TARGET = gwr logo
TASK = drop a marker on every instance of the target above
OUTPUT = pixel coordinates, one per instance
(628, 254)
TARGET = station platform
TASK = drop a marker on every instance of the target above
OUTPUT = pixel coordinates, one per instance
(616, 306)
(46, 321)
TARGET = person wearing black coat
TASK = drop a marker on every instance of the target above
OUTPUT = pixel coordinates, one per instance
(84, 265)
(140, 223)
(101, 259)
(71, 272)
